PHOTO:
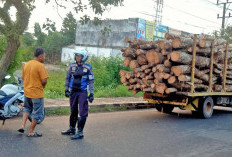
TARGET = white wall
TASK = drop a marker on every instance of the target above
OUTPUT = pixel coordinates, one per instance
(68, 56)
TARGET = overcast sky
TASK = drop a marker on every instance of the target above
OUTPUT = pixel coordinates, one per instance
(194, 16)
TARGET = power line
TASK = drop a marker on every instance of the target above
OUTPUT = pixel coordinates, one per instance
(178, 21)
(190, 14)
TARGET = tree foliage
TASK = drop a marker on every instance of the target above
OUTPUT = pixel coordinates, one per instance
(13, 29)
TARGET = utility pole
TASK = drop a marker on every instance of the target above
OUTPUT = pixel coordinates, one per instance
(224, 13)
(158, 11)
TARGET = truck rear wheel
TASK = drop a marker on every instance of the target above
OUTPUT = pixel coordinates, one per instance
(165, 107)
(159, 107)
(168, 108)
(206, 107)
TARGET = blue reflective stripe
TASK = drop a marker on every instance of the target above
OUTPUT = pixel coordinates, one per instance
(84, 83)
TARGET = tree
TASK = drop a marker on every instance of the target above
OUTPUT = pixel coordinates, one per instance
(69, 28)
(12, 30)
(40, 36)
(27, 39)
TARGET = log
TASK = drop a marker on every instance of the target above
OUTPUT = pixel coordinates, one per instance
(150, 65)
(221, 66)
(156, 74)
(165, 44)
(149, 77)
(162, 68)
(148, 90)
(147, 71)
(137, 70)
(140, 42)
(157, 81)
(126, 61)
(122, 72)
(219, 88)
(160, 88)
(181, 69)
(185, 58)
(207, 51)
(206, 43)
(140, 52)
(167, 63)
(188, 87)
(141, 59)
(172, 80)
(185, 69)
(147, 46)
(123, 79)
(140, 75)
(129, 75)
(123, 49)
(165, 52)
(154, 57)
(180, 42)
(170, 36)
(219, 57)
(132, 80)
(166, 76)
(130, 52)
(153, 86)
(133, 64)
(170, 90)
(154, 69)
(186, 78)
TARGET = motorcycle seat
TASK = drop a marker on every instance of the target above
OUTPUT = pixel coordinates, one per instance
(2, 93)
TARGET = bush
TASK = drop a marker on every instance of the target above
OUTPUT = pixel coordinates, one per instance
(106, 71)
(55, 86)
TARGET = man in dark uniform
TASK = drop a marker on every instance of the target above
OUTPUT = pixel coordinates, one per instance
(78, 77)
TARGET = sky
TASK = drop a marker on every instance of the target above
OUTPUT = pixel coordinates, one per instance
(194, 16)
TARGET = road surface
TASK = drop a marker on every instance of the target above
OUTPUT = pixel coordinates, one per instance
(140, 133)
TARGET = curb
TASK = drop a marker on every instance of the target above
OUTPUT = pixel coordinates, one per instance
(127, 106)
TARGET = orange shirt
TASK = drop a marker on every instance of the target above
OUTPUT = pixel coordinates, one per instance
(33, 73)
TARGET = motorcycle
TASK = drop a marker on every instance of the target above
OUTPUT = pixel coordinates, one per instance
(11, 98)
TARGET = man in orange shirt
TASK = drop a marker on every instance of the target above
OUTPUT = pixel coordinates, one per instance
(35, 77)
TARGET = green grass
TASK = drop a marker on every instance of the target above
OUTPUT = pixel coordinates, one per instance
(118, 91)
(55, 88)
(57, 111)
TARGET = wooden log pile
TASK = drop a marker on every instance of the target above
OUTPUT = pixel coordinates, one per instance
(165, 66)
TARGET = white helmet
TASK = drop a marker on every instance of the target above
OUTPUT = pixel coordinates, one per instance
(83, 53)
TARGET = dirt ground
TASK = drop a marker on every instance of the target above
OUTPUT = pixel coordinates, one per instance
(97, 101)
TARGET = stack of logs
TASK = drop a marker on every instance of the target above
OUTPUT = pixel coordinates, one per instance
(164, 66)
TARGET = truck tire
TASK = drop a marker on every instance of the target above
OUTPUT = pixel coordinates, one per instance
(159, 107)
(206, 107)
(168, 108)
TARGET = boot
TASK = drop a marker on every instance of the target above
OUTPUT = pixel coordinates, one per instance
(70, 131)
(81, 125)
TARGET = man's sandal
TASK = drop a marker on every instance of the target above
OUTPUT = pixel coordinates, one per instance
(34, 135)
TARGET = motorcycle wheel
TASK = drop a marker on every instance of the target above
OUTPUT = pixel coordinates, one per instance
(30, 119)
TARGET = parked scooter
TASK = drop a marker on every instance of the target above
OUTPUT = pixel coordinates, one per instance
(11, 98)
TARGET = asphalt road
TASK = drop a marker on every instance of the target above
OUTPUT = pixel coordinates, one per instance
(140, 133)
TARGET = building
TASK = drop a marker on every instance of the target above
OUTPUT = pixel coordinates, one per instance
(108, 38)
(104, 40)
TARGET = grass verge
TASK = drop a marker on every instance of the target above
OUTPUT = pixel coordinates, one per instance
(57, 111)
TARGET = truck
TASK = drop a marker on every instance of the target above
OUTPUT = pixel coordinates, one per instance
(200, 103)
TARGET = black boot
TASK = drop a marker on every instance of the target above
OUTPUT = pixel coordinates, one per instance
(81, 125)
(70, 131)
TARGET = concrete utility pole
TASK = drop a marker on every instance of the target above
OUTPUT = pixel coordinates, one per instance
(158, 11)
(224, 13)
